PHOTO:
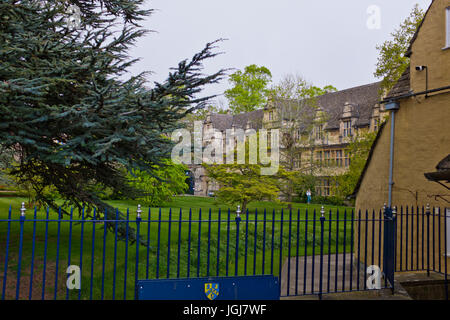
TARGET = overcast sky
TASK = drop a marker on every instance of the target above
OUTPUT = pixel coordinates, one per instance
(325, 41)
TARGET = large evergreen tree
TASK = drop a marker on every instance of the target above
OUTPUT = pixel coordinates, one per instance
(65, 110)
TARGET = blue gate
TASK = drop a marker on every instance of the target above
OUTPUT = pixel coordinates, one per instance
(211, 288)
(389, 246)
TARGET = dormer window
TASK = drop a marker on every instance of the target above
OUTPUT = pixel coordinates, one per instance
(319, 132)
(347, 128)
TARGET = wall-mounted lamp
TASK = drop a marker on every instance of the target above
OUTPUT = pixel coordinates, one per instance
(422, 68)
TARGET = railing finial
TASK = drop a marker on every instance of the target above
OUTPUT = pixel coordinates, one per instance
(22, 210)
(238, 211)
(322, 212)
(139, 211)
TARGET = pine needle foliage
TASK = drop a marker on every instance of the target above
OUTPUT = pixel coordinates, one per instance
(70, 111)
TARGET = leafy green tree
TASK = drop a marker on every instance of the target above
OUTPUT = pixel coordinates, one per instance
(154, 191)
(295, 87)
(392, 61)
(250, 89)
(296, 116)
(69, 109)
(241, 184)
(358, 150)
(201, 114)
(6, 159)
(290, 182)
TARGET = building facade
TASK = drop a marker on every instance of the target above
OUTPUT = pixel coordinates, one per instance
(421, 126)
(409, 164)
(345, 114)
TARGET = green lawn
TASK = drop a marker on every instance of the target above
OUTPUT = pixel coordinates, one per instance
(178, 249)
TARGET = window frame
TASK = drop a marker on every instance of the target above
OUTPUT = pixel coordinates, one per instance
(319, 157)
(319, 132)
(327, 157)
(447, 28)
(346, 159)
(327, 187)
(447, 214)
(347, 128)
(339, 157)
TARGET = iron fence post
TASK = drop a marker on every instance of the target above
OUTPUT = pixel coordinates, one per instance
(5, 268)
(32, 254)
(115, 255)
(428, 238)
(105, 218)
(19, 265)
(169, 231)
(389, 247)
(44, 268)
(55, 294)
(70, 249)
(81, 250)
(394, 235)
(238, 220)
(92, 254)
(445, 255)
(322, 222)
(138, 229)
(199, 241)
(209, 243)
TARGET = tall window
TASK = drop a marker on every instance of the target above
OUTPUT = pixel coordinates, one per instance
(319, 132)
(339, 158)
(323, 187)
(327, 158)
(270, 115)
(326, 187)
(347, 128)
(346, 159)
(447, 27)
(319, 156)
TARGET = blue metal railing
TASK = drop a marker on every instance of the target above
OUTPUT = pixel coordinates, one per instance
(312, 253)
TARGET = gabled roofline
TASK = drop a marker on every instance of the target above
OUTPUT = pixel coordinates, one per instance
(369, 159)
(413, 39)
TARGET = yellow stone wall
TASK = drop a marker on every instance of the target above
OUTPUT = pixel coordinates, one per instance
(428, 50)
(422, 139)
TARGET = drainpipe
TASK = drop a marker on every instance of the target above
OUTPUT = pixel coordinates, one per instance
(391, 159)
(393, 106)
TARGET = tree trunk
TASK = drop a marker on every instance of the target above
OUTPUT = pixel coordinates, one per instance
(244, 207)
